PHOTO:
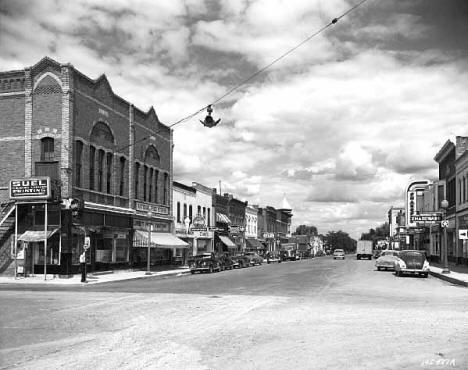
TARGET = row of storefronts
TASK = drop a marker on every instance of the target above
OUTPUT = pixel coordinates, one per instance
(435, 217)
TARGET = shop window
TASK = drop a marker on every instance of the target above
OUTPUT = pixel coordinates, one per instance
(92, 155)
(78, 162)
(47, 149)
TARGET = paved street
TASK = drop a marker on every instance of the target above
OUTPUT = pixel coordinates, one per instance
(317, 313)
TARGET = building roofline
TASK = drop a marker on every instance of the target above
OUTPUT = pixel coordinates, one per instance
(444, 151)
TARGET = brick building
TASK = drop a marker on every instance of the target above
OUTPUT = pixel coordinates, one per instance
(99, 151)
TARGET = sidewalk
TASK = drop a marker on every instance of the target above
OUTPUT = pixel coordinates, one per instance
(98, 277)
(458, 273)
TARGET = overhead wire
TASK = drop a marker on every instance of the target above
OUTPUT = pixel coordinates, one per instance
(261, 70)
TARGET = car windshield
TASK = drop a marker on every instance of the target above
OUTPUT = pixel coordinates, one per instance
(338, 250)
(390, 253)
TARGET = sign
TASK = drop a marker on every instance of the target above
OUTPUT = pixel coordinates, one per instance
(198, 223)
(463, 234)
(444, 223)
(427, 217)
(234, 230)
(144, 207)
(268, 235)
(31, 188)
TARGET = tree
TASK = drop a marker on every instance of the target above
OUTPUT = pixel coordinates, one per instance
(381, 232)
(340, 240)
(306, 230)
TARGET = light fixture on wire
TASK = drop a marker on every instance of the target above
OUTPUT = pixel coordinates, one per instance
(209, 121)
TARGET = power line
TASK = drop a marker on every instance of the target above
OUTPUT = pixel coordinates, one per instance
(261, 70)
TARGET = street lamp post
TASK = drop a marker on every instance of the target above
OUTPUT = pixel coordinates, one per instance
(148, 258)
(444, 204)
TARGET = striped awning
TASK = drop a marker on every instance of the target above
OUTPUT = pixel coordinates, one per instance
(228, 242)
(36, 235)
(254, 243)
(158, 240)
(222, 218)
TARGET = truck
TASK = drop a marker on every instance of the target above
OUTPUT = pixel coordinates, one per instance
(364, 249)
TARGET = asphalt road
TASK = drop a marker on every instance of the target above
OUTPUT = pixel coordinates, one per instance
(311, 314)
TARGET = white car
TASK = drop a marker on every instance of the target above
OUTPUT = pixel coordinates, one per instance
(387, 260)
(338, 253)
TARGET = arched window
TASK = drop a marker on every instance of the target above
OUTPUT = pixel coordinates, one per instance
(156, 179)
(78, 162)
(185, 210)
(152, 156)
(145, 183)
(166, 190)
(178, 211)
(150, 182)
(102, 134)
(109, 172)
(47, 149)
(190, 212)
(92, 157)
(209, 217)
(100, 170)
(122, 176)
(137, 183)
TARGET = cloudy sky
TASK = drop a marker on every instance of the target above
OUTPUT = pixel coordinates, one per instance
(340, 126)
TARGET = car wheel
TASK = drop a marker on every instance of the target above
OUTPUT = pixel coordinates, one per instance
(425, 274)
(192, 272)
(378, 268)
(358, 257)
(211, 269)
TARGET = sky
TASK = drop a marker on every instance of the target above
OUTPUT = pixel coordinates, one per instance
(339, 126)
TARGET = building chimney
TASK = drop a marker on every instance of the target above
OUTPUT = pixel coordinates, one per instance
(461, 146)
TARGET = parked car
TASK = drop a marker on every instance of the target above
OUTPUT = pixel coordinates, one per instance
(387, 260)
(273, 256)
(412, 262)
(242, 261)
(254, 258)
(338, 253)
(205, 262)
(225, 261)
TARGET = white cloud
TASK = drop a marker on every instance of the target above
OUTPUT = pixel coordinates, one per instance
(351, 116)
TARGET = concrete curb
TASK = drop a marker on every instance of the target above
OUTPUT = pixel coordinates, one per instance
(449, 278)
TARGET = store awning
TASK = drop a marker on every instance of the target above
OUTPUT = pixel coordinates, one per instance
(36, 235)
(222, 218)
(158, 240)
(227, 242)
(254, 243)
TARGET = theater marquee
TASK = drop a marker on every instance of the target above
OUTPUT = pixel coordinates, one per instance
(30, 188)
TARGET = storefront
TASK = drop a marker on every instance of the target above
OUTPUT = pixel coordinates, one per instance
(163, 247)
(254, 245)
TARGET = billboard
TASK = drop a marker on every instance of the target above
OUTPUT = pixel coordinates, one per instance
(30, 188)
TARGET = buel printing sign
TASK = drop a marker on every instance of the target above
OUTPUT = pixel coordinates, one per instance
(30, 188)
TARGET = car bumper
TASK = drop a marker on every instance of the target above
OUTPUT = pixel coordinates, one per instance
(412, 271)
(385, 266)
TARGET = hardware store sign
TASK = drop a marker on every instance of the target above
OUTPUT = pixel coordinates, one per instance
(31, 188)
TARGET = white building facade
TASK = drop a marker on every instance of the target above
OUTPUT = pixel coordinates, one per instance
(193, 218)
(251, 222)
